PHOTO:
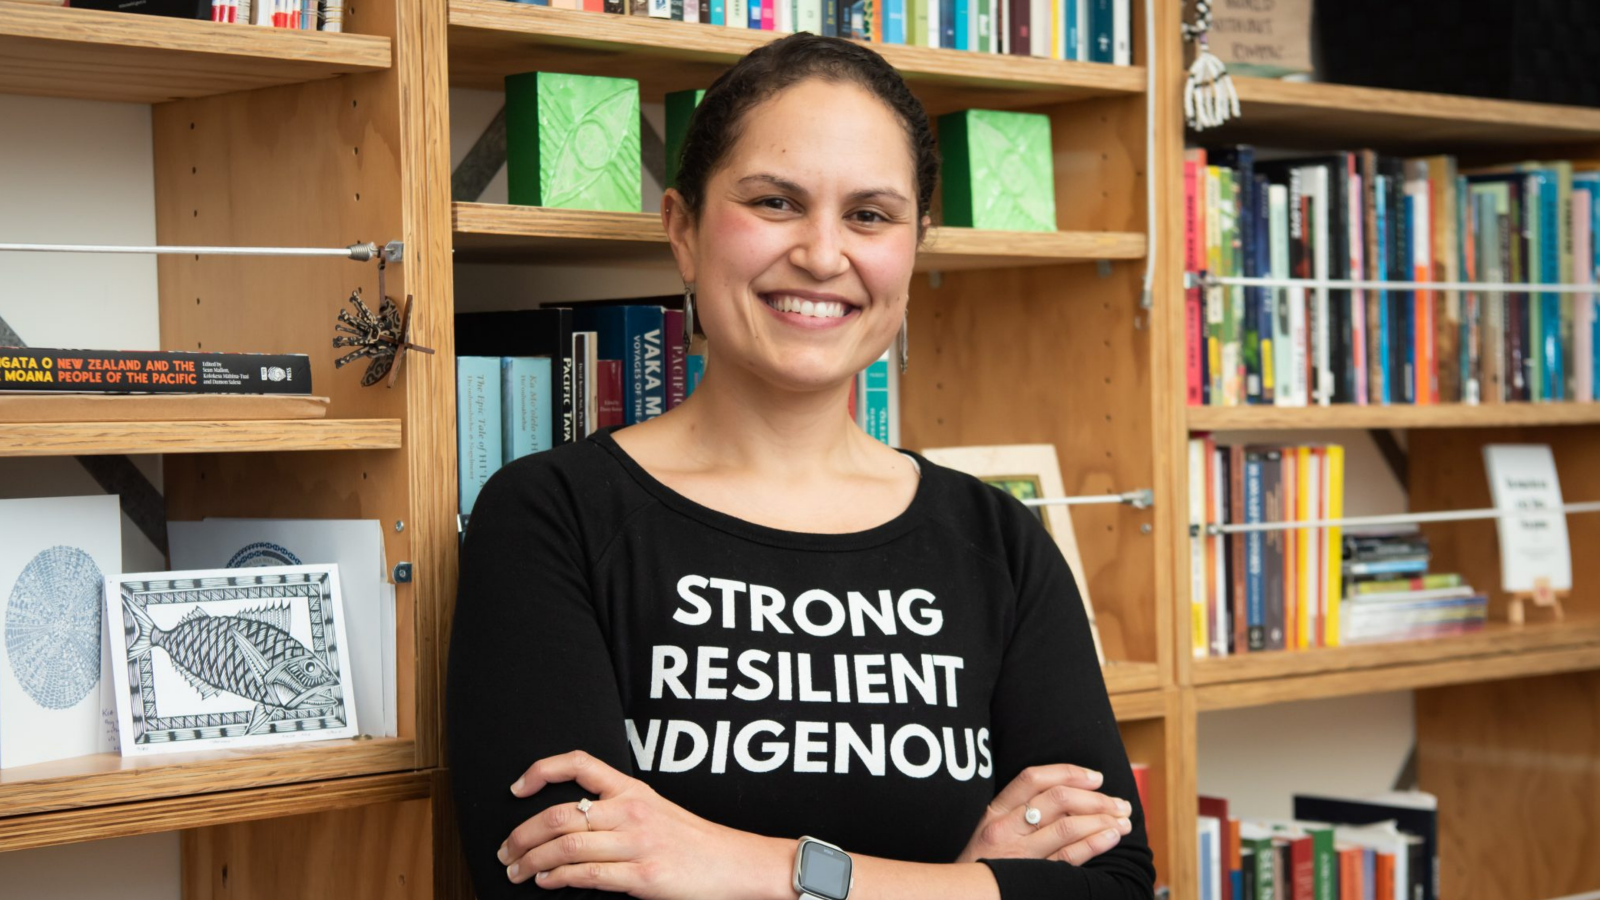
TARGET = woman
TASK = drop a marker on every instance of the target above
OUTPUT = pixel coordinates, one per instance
(682, 645)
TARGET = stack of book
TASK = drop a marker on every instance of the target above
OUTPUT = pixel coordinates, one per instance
(1333, 849)
(1390, 596)
(1362, 216)
(1082, 30)
(1264, 590)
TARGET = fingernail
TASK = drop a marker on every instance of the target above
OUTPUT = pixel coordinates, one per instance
(1095, 777)
(1124, 807)
(1125, 825)
(541, 876)
(1111, 835)
(511, 871)
(516, 786)
(503, 856)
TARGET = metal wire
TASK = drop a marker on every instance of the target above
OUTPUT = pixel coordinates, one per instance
(1458, 515)
(1137, 499)
(359, 252)
(1338, 284)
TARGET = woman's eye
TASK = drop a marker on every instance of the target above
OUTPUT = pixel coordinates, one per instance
(870, 216)
(778, 203)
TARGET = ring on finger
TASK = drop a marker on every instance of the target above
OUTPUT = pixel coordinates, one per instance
(1031, 815)
(583, 807)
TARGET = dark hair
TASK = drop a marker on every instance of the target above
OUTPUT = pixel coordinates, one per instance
(771, 68)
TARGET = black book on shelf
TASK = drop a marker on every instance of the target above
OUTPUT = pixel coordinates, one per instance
(1537, 50)
(175, 9)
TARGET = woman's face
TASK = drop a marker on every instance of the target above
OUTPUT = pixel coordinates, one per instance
(804, 249)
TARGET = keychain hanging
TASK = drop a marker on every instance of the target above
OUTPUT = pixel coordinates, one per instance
(1209, 98)
(382, 337)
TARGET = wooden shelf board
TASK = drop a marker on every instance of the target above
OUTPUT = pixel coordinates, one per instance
(1452, 415)
(1500, 650)
(1131, 677)
(35, 408)
(497, 232)
(100, 55)
(490, 39)
(102, 438)
(1332, 116)
(200, 811)
(1139, 705)
(107, 779)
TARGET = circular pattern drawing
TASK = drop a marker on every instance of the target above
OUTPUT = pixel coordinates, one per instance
(262, 553)
(53, 627)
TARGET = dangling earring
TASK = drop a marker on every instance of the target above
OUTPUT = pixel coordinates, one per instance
(688, 315)
(905, 343)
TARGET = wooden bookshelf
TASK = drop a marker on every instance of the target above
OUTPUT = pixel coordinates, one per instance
(490, 39)
(200, 814)
(1448, 415)
(1331, 116)
(89, 54)
(98, 438)
(109, 779)
(493, 232)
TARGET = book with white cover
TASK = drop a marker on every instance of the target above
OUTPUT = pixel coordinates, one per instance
(356, 546)
(1533, 545)
(55, 681)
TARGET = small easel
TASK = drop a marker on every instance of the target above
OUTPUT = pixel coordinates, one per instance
(1542, 596)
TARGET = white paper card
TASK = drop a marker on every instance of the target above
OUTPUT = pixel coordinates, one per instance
(55, 554)
(355, 546)
(229, 658)
(1532, 545)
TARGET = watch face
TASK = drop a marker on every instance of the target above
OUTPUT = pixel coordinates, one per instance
(824, 871)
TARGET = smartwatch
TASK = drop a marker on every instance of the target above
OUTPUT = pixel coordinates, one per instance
(822, 871)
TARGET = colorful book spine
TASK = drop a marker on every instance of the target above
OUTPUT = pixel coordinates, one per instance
(677, 351)
(1199, 624)
(524, 406)
(873, 406)
(696, 370)
(48, 370)
(1254, 552)
(478, 442)
(1583, 316)
(1101, 26)
(1333, 505)
(609, 394)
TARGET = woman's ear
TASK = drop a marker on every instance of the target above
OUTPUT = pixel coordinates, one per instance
(678, 223)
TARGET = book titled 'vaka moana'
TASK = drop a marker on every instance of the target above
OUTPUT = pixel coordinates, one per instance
(34, 369)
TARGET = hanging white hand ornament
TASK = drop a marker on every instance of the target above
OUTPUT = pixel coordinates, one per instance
(1209, 98)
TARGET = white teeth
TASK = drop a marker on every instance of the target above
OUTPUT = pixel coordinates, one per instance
(816, 309)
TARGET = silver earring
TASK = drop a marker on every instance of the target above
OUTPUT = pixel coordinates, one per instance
(905, 343)
(688, 314)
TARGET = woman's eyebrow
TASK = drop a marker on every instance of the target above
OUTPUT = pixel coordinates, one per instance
(783, 184)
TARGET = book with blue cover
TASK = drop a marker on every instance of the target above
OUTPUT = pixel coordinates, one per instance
(524, 406)
(478, 446)
(528, 332)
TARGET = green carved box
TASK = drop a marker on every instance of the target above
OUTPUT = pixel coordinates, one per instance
(997, 170)
(680, 110)
(572, 141)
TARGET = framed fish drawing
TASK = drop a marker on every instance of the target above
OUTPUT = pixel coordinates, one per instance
(230, 658)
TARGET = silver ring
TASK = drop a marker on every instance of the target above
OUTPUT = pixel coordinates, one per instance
(583, 807)
(1030, 815)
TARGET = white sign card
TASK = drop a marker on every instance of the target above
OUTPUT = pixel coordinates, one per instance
(356, 547)
(1533, 545)
(55, 554)
(229, 658)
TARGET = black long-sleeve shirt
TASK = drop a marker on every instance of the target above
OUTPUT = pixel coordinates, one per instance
(873, 689)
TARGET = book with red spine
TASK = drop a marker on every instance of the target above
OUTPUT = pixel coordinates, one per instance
(677, 352)
(1194, 230)
(608, 392)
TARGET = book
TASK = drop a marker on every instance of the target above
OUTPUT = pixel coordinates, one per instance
(632, 333)
(528, 332)
(1412, 812)
(525, 406)
(478, 436)
(39, 369)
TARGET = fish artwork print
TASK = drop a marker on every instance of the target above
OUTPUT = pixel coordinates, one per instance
(250, 654)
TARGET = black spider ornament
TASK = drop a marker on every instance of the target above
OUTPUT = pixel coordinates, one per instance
(382, 337)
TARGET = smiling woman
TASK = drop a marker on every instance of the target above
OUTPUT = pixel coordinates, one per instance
(687, 643)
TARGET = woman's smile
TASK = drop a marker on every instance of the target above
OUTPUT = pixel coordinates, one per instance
(804, 309)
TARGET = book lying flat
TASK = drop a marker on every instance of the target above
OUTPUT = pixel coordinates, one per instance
(36, 369)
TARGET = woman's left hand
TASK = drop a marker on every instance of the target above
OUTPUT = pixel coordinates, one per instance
(632, 841)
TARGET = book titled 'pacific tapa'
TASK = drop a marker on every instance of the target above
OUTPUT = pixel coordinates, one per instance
(35, 369)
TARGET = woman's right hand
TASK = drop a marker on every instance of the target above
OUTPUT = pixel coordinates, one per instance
(1075, 825)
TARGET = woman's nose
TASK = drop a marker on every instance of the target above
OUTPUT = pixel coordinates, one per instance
(822, 250)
